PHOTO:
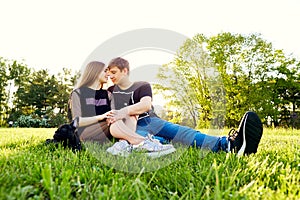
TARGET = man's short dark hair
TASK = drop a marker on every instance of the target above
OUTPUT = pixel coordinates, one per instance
(120, 63)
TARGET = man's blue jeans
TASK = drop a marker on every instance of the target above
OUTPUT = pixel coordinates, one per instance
(165, 130)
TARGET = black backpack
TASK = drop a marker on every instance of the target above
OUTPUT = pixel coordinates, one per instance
(67, 135)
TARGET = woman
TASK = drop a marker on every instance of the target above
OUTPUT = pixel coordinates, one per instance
(91, 103)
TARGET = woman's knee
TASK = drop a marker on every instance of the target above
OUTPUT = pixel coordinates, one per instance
(114, 129)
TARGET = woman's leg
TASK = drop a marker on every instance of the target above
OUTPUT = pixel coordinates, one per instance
(131, 122)
(126, 130)
(96, 132)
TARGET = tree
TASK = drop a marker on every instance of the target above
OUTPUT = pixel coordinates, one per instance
(33, 93)
(66, 82)
(248, 74)
(3, 92)
(191, 83)
(13, 74)
(285, 87)
(19, 73)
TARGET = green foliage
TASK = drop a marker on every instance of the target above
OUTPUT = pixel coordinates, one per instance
(27, 121)
(34, 94)
(31, 170)
(210, 82)
(188, 82)
(55, 120)
(35, 121)
(214, 80)
(3, 92)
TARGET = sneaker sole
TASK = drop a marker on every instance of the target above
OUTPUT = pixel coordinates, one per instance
(157, 154)
(154, 154)
(119, 153)
(252, 132)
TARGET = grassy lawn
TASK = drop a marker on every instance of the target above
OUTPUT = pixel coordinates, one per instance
(29, 169)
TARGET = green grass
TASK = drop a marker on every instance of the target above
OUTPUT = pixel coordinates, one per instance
(31, 170)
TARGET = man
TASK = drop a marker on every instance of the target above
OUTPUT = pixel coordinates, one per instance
(134, 99)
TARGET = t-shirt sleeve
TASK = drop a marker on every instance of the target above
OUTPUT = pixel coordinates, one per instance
(75, 105)
(143, 91)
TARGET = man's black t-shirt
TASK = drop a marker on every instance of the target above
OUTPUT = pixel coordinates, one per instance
(133, 94)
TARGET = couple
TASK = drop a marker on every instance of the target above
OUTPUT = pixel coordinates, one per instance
(126, 107)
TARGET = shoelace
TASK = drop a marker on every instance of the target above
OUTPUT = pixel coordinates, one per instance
(124, 143)
(232, 134)
(128, 147)
(152, 139)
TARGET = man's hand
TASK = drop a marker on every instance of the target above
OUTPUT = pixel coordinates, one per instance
(118, 115)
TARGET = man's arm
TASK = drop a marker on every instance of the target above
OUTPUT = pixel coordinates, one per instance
(143, 106)
(143, 99)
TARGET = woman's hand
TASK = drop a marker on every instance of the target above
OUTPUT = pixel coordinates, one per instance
(106, 115)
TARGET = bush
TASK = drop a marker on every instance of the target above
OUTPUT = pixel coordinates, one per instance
(34, 121)
(27, 121)
(57, 120)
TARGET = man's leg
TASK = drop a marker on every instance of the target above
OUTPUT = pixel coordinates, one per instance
(243, 141)
(246, 139)
(181, 134)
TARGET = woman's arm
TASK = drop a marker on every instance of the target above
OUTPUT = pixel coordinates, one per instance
(85, 121)
(76, 111)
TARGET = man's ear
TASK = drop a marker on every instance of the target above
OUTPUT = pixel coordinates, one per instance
(125, 70)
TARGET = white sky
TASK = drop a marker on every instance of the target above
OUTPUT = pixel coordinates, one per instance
(62, 33)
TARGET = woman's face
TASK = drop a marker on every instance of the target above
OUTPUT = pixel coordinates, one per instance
(103, 76)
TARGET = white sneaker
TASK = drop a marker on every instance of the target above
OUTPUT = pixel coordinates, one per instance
(153, 148)
(122, 148)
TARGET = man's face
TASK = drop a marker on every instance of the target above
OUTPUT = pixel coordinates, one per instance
(116, 75)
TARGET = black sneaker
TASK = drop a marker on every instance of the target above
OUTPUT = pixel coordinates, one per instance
(246, 139)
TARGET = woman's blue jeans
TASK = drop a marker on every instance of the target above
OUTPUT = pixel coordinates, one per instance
(164, 130)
